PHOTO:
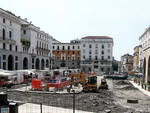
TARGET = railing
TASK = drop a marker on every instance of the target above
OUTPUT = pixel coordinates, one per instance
(42, 49)
(10, 41)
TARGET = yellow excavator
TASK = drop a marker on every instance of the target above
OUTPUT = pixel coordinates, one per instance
(89, 83)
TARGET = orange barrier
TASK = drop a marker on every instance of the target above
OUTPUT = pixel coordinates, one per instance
(36, 84)
(57, 84)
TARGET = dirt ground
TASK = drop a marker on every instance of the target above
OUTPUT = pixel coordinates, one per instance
(113, 100)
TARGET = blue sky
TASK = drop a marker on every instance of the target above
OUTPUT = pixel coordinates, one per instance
(65, 20)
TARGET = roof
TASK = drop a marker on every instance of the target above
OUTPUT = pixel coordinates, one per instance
(96, 37)
(144, 32)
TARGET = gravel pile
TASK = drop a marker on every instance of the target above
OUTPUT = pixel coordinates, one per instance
(123, 82)
(129, 88)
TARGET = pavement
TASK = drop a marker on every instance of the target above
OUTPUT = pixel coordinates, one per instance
(140, 88)
(35, 108)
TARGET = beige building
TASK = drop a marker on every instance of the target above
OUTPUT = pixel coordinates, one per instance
(145, 54)
(126, 63)
(136, 59)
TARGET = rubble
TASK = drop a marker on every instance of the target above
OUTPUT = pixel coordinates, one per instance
(123, 82)
(113, 100)
(129, 87)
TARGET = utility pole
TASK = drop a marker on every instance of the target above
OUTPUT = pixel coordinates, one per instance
(73, 101)
(41, 107)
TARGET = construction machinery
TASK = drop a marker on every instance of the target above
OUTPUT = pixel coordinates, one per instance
(103, 84)
(91, 84)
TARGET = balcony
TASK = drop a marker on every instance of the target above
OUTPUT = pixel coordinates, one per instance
(42, 49)
(25, 43)
(33, 54)
(9, 41)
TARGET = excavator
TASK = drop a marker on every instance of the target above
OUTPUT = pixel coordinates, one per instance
(89, 83)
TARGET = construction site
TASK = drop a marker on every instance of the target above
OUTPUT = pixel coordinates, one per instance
(71, 91)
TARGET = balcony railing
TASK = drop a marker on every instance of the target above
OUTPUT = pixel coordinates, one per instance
(10, 41)
(42, 49)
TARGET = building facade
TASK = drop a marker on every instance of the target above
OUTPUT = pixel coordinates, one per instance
(126, 63)
(66, 55)
(136, 67)
(97, 54)
(145, 54)
(22, 45)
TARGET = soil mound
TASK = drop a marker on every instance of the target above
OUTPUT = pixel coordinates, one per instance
(123, 82)
(129, 88)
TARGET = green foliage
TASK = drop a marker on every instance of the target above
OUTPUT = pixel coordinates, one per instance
(25, 42)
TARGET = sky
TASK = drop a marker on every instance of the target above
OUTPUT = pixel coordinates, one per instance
(65, 20)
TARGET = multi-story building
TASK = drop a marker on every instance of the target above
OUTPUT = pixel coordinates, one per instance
(39, 49)
(96, 54)
(140, 59)
(136, 59)
(126, 63)
(145, 54)
(66, 55)
(22, 45)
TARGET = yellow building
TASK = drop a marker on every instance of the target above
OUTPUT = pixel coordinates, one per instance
(136, 59)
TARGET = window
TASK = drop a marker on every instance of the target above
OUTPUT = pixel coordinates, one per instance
(78, 47)
(16, 66)
(4, 57)
(33, 60)
(10, 47)
(102, 52)
(72, 57)
(89, 57)
(16, 58)
(96, 52)
(102, 69)
(102, 57)
(96, 58)
(90, 46)
(37, 44)
(10, 34)
(32, 66)
(4, 46)
(63, 48)
(108, 57)
(3, 20)
(83, 57)
(10, 23)
(63, 58)
(108, 45)
(68, 58)
(4, 65)
(57, 47)
(108, 69)
(72, 47)
(16, 48)
(24, 32)
(96, 46)
(102, 46)
(68, 47)
(83, 45)
(3, 34)
(95, 66)
(90, 52)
